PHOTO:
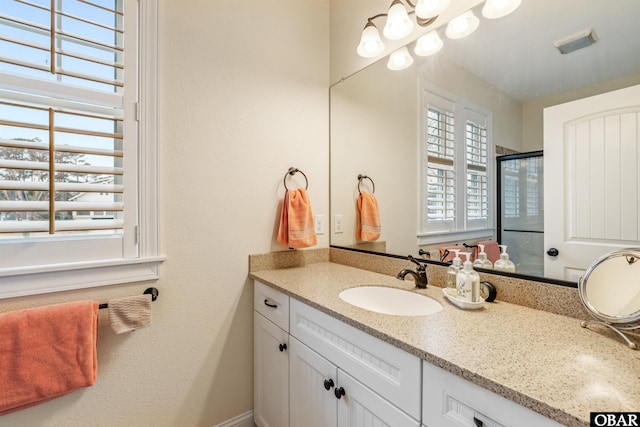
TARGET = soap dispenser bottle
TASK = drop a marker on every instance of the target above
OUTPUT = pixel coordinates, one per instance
(482, 261)
(452, 271)
(468, 284)
(504, 264)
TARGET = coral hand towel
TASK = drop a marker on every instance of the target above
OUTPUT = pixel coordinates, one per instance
(46, 352)
(368, 227)
(296, 220)
(492, 249)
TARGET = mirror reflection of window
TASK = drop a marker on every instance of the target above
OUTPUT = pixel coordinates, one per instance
(456, 166)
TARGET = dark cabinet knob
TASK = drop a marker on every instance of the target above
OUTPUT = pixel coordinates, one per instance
(328, 384)
(553, 252)
(339, 392)
(282, 347)
(478, 422)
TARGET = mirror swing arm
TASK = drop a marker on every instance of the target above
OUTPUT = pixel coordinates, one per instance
(618, 274)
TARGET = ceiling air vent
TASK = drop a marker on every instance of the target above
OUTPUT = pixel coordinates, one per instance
(577, 41)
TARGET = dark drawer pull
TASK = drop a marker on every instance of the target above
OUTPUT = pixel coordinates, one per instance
(339, 392)
(478, 422)
(328, 384)
(268, 304)
(282, 347)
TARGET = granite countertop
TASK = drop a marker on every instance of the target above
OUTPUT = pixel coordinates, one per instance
(543, 361)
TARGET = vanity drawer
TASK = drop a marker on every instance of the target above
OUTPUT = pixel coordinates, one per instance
(451, 401)
(272, 304)
(389, 371)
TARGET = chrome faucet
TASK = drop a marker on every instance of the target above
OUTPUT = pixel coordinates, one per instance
(419, 276)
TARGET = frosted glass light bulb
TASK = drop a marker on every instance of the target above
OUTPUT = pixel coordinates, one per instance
(398, 25)
(428, 44)
(463, 25)
(400, 59)
(370, 43)
(426, 9)
(498, 8)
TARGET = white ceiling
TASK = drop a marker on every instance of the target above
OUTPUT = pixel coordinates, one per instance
(516, 53)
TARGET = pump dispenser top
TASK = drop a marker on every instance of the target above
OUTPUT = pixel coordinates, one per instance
(482, 261)
(504, 264)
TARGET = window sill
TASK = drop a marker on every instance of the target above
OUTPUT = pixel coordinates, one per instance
(454, 236)
(17, 282)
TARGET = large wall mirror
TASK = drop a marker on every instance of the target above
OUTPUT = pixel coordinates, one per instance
(508, 67)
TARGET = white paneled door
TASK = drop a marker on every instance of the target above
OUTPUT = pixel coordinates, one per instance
(592, 180)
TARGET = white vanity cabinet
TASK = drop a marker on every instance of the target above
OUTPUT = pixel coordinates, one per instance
(377, 383)
(322, 395)
(313, 370)
(271, 357)
(451, 401)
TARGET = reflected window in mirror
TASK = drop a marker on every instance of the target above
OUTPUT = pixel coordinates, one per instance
(456, 167)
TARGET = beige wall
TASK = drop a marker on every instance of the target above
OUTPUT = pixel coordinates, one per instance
(532, 123)
(243, 96)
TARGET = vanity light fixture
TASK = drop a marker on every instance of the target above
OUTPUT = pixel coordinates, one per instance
(400, 59)
(398, 25)
(498, 8)
(462, 25)
(428, 44)
(370, 43)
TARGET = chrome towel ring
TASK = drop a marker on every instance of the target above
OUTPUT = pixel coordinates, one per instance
(293, 171)
(361, 177)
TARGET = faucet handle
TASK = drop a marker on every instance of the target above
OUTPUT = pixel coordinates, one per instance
(421, 265)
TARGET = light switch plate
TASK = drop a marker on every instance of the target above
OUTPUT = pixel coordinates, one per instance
(319, 223)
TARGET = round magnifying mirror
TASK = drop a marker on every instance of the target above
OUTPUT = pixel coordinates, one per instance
(610, 291)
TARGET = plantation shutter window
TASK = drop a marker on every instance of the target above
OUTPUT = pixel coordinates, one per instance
(73, 134)
(477, 194)
(440, 170)
(60, 160)
(456, 169)
(59, 178)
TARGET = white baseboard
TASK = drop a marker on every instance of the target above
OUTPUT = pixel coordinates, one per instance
(242, 420)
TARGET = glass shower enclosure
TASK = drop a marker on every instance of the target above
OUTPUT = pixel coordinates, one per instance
(521, 210)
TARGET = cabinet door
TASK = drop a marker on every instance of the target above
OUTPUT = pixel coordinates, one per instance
(451, 401)
(311, 387)
(271, 374)
(361, 407)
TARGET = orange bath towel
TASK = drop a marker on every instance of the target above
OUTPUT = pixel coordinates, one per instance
(296, 220)
(368, 225)
(46, 352)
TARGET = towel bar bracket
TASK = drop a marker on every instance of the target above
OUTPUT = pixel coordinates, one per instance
(292, 171)
(373, 184)
(154, 293)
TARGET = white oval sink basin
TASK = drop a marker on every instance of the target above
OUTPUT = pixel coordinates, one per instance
(390, 301)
